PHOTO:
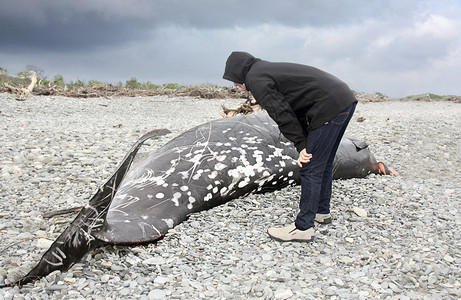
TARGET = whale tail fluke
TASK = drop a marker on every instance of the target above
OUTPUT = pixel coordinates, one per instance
(78, 238)
(68, 248)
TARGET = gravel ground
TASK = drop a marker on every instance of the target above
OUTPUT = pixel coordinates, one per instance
(57, 151)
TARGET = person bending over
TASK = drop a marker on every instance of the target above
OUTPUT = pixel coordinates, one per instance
(312, 109)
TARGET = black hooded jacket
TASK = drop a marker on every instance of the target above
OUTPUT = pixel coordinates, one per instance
(299, 98)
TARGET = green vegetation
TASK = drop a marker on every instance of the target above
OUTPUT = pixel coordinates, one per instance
(132, 83)
(92, 83)
(427, 96)
(23, 79)
(437, 97)
(19, 80)
(76, 84)
(171, 86)
(58, 80)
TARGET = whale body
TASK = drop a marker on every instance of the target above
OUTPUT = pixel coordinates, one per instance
(213, 163)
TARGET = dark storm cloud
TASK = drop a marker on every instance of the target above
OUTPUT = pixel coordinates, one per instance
(73, 25)
(53, 27)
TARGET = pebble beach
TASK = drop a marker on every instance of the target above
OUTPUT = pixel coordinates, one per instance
(392, 237)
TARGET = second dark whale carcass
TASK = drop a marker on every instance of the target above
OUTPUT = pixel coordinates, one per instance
(211, 164)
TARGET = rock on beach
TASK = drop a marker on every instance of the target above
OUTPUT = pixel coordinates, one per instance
(56, 151)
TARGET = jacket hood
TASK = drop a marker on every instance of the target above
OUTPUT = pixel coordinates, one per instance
(237, 66)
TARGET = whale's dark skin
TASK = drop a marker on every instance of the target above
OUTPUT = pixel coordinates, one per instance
(206, 166)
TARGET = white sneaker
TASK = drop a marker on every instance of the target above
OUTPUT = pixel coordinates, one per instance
(323, 218)
(291, 233)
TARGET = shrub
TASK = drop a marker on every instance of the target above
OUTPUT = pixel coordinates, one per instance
(132, 83)
(39, 71)
(172, 86)
(78, 84)
(95, 83)
(150, 86)
(58, 80)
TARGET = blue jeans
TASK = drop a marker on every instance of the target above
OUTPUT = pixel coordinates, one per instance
(317, 175)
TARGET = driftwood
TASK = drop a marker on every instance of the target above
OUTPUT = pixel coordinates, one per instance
(107, 91)
(245, 108)
(24, 93)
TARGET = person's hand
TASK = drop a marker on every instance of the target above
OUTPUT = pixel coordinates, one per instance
(304, 157)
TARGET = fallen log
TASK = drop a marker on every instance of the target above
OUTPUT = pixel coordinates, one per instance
(23, 93)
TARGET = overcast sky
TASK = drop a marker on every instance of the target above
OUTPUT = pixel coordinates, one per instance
(399, 48)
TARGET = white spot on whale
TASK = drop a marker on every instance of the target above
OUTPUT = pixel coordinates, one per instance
(176, 196)
(191, 200)
(160, 181)
(160, 195)
(169, 222)
(220, 166)
(213, 175)
(242, 184)
(208, 197)
(196, 159)
(221, 157)
(290, 173)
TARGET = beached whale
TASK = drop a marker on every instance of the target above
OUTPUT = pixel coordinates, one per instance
(151, 192)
